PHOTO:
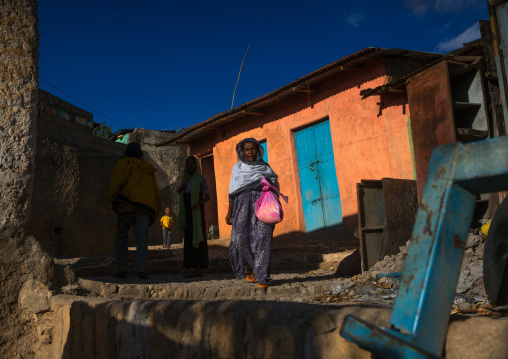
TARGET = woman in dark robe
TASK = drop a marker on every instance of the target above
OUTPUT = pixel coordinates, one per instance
(193, 194)
(251, 239)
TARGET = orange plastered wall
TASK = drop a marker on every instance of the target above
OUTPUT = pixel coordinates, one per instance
(366, 146)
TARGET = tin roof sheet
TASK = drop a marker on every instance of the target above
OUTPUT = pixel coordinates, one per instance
(189, 135)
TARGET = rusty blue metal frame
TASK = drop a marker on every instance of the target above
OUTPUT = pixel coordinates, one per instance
(457, 174)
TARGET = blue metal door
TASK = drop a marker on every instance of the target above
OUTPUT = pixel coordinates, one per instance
(318, 179)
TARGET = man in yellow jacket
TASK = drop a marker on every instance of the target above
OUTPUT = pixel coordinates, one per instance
(136, 199)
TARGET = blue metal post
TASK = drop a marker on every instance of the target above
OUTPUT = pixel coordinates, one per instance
(457, 174)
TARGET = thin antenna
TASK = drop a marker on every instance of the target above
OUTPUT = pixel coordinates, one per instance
(239, 73)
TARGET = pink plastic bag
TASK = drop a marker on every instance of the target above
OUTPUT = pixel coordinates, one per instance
(268, 207)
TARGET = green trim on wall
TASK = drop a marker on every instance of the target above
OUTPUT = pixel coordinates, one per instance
(410, 134)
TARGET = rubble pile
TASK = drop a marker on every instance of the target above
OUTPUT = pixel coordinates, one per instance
(380, 284)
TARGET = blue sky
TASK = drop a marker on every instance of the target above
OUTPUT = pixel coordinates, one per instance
(163, 65)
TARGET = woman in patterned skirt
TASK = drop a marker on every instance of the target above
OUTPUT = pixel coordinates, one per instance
(191, 218)
(251, 238)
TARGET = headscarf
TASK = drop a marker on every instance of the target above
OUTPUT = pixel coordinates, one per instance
(197, 224)
(247, 175)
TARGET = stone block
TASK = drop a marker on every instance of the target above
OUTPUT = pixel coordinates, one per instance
(115, 321)
(65, 275)
(77, 314)
(124, 329)
(45, 132)
(34, 296)
(157, 344)
(77, 132)
(82, 143)
(53, 127)
(191, 323)
(98, 147)
(53, 100)
(63, 114)
(80, 120)
(40, 122)
(62, 343)
(45, 116)
(137, 291)
(65, 130)
(210, 293)
(44, 323)
(71, 124)
(71, 140)
(60, 122)
(57, 136)
(105, 325)
(82, 113)
(51, 110)
(42, 95)
(67, 107)
(88, 329)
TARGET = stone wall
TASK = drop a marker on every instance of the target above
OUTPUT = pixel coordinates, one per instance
(21, 256)
(169, 161)
(74, 183)
(72, 172)
(65, 123)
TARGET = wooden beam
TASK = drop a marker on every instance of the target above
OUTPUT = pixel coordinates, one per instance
(212, 127)
(296, 89)
(396, 90)
(247, 112)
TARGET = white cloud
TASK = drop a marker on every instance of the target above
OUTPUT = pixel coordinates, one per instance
(419, 7)
(443, 29)
(355, 18)
(469, 35)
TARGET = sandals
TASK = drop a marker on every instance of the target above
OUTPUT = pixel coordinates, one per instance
(252, 278)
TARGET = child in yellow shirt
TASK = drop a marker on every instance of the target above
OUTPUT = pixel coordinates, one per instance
(166, 222)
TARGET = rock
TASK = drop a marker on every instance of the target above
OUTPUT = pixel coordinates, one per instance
(473, 240)
(34, 296)
(463, 306)
(480, 249)
(350, 265)
(65, 275)
(44, 323)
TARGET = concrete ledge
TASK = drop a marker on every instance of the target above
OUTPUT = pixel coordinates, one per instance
(199, 329)
(99, 328)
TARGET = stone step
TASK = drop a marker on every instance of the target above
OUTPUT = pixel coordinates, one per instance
(171, 261)
(284, 286)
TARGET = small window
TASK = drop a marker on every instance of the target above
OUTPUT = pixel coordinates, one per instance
(265, 155)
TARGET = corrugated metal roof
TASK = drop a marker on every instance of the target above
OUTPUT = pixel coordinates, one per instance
(401, 82)
(194, 132)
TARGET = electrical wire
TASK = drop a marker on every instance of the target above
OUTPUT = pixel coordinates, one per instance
(93, 17)
(44, 152)
(135, 95)
(84, 104)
